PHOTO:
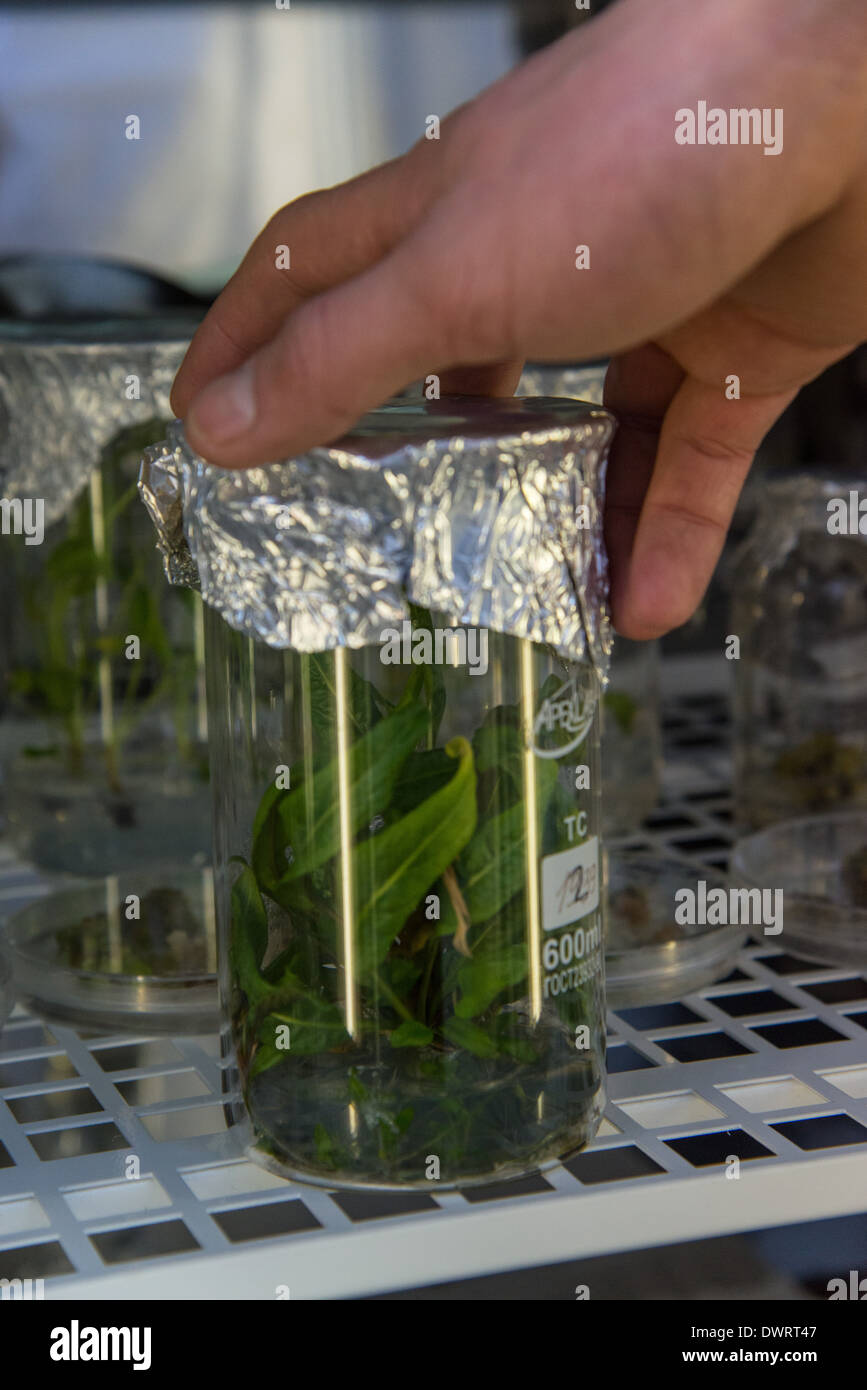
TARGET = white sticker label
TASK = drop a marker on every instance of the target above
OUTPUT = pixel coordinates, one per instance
(570, 884)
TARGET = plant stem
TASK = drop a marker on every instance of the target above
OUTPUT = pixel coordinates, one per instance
(396, 1003)
(433, 952)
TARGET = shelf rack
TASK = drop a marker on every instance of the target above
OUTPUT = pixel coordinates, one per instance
(768, 1066)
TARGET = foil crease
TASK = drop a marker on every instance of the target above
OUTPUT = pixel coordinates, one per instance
(469, 507)
(64, 396)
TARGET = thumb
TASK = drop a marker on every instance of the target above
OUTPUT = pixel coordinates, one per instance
(338, 355)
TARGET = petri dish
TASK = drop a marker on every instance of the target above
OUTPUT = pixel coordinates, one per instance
(819, 863)
(133, 951)
(650, 957)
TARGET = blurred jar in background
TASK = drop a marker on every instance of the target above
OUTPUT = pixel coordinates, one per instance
(631, 724)
(103, 740)
(799, 611)
(631, 737)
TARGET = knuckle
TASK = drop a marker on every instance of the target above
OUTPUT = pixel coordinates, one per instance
(681, 511)
(714, 449)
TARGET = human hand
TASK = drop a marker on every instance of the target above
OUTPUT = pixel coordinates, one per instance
(458, 258)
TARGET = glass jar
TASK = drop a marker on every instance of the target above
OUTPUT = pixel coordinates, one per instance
(103, 735)
(105, 724)
(799, 615)
(408, 877)
(406, 791)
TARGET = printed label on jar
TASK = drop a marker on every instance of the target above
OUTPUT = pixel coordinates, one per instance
(570, 884)
(573, 958)
(563, 718)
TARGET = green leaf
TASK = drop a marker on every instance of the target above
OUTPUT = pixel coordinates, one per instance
(366, 706)
(623, 707)
(411, 1034)
(422, 774)
(393, 869)
(469, 1037)
(357, 1090)
(400, 973)
(492, 969)
(561, 805)
(433, 679)
(521, 1049)
(75, 566)
(492, 868)
(314, 1025)
(327, 1150)
(498, 747)
(267, 1055)
(268, 838)
(307, 817)
(249, 935)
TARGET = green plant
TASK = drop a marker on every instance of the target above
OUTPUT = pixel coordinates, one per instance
(443, 1058)
(98, 585)
(165, 940)
(821, 771)
(623, 707)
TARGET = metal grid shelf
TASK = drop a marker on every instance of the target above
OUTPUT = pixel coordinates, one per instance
(768, 1066)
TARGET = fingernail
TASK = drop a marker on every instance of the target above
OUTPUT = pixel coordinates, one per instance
(226, 408)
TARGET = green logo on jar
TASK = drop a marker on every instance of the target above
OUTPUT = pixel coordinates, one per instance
(565, 716)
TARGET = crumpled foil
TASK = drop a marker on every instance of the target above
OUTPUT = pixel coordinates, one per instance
(581, 382)
(468, 506)
(64, 395)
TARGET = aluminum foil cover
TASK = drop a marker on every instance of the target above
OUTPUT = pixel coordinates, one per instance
(66, 390)
(488, 511)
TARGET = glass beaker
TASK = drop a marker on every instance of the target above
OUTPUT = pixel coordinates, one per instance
(406, 634)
